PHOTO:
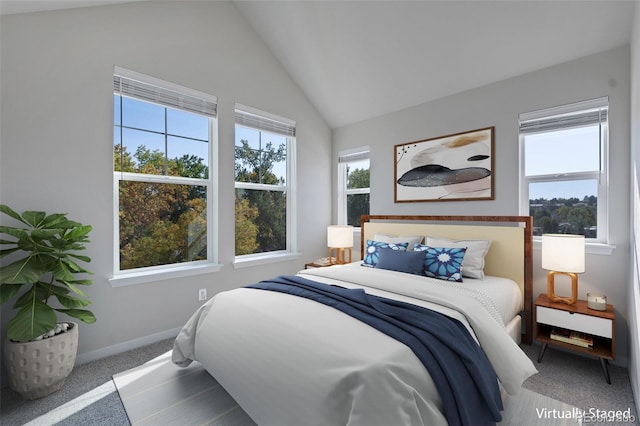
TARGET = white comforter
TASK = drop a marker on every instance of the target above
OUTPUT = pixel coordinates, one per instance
(291, 361)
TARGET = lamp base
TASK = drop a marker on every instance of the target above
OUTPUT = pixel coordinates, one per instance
(551, 288)
(340, 255)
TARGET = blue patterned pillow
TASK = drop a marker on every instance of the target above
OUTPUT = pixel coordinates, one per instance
(444, 263)
(372, 251)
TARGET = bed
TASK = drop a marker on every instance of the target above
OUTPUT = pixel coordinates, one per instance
(293, 357)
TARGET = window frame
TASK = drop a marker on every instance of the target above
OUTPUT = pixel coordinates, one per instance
(600, 244)
(344, 158)
(255, 119)
(182, 269)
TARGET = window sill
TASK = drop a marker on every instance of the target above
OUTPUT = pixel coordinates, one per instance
(147, 276)
(250, 260)
(589, 248)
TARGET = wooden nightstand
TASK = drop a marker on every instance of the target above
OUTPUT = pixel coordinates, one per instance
(316, 265)
(600, 325)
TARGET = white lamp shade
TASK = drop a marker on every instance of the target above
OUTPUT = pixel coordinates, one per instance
(563, 253)
(340, 236)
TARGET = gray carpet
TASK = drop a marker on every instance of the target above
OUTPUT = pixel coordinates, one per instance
(579, 381)
(90, 397)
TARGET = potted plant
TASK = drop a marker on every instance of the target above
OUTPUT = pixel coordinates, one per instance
(40, 351)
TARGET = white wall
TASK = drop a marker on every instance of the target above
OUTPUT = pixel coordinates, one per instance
(57, 139)
(604, 74)
(634, 259)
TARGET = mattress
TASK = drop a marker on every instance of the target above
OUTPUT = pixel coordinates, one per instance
(503, 293)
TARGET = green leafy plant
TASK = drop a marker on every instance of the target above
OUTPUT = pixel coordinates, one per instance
(47, 269)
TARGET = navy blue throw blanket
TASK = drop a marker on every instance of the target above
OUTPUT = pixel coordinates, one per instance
(463, 375)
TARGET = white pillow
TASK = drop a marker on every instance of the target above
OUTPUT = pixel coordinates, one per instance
(473, 262)
(394, 239)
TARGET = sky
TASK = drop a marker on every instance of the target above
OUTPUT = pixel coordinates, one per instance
(567, 151)
(569, 189)
(148, 116)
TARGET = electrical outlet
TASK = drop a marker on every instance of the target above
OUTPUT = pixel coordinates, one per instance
(202, 294)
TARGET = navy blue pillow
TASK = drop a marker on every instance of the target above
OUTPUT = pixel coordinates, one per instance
(411, 262)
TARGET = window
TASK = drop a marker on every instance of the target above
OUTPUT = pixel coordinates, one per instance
(564, 169)
(353, 186)
(264, 176)
(164, 137)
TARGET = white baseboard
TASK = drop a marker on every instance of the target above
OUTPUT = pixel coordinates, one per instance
(126, 346)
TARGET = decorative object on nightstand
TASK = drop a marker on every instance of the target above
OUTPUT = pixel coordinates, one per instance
(597, 301)
(563, 254)
(576, 328)
(339, 241)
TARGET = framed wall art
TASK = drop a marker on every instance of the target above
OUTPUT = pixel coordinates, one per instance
(446, 168)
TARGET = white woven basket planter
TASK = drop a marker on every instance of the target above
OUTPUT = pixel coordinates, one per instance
(39, 368)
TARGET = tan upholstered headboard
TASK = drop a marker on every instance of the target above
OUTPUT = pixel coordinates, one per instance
(510, 254)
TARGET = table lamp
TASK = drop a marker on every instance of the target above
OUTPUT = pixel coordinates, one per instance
(339, 239)
(563, 254)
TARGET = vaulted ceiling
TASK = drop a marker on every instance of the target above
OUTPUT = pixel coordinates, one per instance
(356, 60)
(360, 59)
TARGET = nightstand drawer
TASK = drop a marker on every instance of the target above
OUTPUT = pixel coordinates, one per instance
(573, 321)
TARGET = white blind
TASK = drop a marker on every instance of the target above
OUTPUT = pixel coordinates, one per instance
(254, 118)
(354, 155)
(128, 83)
(573, 115)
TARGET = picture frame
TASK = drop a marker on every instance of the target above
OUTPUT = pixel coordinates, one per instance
(456, 167)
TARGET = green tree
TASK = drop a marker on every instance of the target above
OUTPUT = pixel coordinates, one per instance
(547, 225)
(357, 204)
(246, 229)
(256, 166)
(160, 223)
(580, 217)
(565, 215)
